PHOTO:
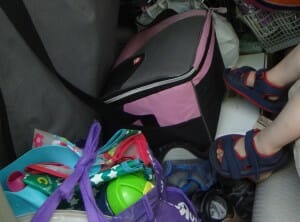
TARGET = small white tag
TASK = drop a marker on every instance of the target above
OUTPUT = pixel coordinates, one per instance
(262, 122)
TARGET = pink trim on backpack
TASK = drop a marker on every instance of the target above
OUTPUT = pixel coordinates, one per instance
(208, 60)
(172, 106)
(144, 36)
(203, 40)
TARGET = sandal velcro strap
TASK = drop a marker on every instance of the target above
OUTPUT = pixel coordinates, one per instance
(265, 87)
(250, 166)
(251, 153)
(261, 91)
(230, 157)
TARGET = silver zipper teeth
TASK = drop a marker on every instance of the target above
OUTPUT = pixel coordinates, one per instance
(150, 86)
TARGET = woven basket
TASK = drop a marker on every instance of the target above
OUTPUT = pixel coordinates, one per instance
(276, 30)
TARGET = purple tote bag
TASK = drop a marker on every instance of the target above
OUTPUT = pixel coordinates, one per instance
(162, 203)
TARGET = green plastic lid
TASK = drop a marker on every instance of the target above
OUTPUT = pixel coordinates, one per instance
(125, 190)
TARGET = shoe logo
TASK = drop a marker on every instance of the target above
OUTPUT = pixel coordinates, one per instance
(137, 60)
(185, 211)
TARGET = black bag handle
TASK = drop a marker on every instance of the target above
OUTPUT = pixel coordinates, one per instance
(7, 152)
(18, 14)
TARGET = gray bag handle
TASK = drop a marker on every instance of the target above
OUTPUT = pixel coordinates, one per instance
(19, 16)
(17, 13)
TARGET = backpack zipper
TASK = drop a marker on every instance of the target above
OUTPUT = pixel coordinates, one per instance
(151, 86)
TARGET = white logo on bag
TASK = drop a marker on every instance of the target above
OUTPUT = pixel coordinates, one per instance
(185, 211)
(161, 186)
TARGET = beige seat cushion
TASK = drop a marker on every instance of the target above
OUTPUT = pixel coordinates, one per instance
(277, 199)
(296, 147)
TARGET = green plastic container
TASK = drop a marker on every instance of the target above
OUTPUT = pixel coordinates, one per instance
(124, 191)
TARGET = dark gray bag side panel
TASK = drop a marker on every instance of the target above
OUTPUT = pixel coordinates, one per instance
(33, 96)
(7, 154)
(80, 38)
(170, 53)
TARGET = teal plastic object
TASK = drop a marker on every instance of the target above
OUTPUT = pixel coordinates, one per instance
(28, 200)
(125, 190)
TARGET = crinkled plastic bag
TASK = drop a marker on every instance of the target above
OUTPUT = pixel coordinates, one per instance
(227, 39)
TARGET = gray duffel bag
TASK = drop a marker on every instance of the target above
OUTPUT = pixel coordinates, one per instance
(79, 37)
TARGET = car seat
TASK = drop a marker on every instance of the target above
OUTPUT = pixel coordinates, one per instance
(277, 198)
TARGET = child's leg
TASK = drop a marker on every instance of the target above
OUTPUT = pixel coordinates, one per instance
(283, 130)
(265, 88)
(285, 72)
(264, 146)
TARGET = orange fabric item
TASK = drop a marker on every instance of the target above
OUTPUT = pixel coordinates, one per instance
(284, 2)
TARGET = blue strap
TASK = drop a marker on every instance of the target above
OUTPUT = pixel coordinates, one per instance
(231, 158)
(244, 70)
(264, 87)
(260, 83)
(251, 153)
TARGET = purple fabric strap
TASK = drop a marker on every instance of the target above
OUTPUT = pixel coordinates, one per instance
(80, 175)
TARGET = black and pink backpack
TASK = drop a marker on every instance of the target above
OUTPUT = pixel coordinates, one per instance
(168, 79)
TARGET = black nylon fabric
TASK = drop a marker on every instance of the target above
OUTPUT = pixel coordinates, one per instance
(166, 55)
(210, 92)
(34, 97)
(7, 153)
(80, 38)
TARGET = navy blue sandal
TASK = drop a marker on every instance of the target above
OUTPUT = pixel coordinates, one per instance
(261, 91)
(253, 165)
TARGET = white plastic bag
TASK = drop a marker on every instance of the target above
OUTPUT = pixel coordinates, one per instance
(227, 39)
(296, 148)
(61, 216)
